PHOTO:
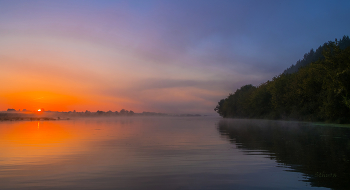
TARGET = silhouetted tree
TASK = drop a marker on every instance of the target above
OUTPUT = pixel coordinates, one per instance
(100, 112)
(318, 90)
(124, 112)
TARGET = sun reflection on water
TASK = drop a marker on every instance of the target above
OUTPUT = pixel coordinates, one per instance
(44, 142)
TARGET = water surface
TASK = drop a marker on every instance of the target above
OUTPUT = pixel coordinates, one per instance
(172, 153)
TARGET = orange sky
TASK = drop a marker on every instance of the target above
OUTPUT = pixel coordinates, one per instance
(170, 57)
(61, 74)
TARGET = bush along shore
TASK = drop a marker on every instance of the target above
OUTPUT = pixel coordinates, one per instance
(28, 117)
(317, 88)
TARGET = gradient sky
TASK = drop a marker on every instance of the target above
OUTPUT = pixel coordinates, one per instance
(162, 56)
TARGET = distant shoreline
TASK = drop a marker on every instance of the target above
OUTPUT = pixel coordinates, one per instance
(52, 116)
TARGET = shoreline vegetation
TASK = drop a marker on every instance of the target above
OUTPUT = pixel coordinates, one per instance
(12, 115)
(316, 89)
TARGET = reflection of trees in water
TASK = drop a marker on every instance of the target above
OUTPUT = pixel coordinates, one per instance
(321, 153)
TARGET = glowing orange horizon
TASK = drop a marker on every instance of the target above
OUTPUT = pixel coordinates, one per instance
(31, 100)
(40, 101)
(65, 74)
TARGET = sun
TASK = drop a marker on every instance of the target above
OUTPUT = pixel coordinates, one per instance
(39, 109)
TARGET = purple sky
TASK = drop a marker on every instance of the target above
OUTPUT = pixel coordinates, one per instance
(162, 56)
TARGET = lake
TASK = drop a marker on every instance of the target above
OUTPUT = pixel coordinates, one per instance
(172, 153)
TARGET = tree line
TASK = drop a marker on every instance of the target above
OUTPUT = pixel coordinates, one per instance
(317, 88)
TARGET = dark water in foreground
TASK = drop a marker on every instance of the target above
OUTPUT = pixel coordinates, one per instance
(173, 153)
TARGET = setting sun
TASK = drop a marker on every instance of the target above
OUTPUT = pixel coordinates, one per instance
(149, 94)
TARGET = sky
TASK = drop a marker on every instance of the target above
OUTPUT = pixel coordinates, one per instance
(159, 56)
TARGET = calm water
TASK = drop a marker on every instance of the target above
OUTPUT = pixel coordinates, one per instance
(172, 153)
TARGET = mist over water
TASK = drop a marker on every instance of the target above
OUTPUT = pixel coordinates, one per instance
(171, 153)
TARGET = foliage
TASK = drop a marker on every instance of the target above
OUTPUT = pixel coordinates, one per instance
(313, 56)
(318, 91)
